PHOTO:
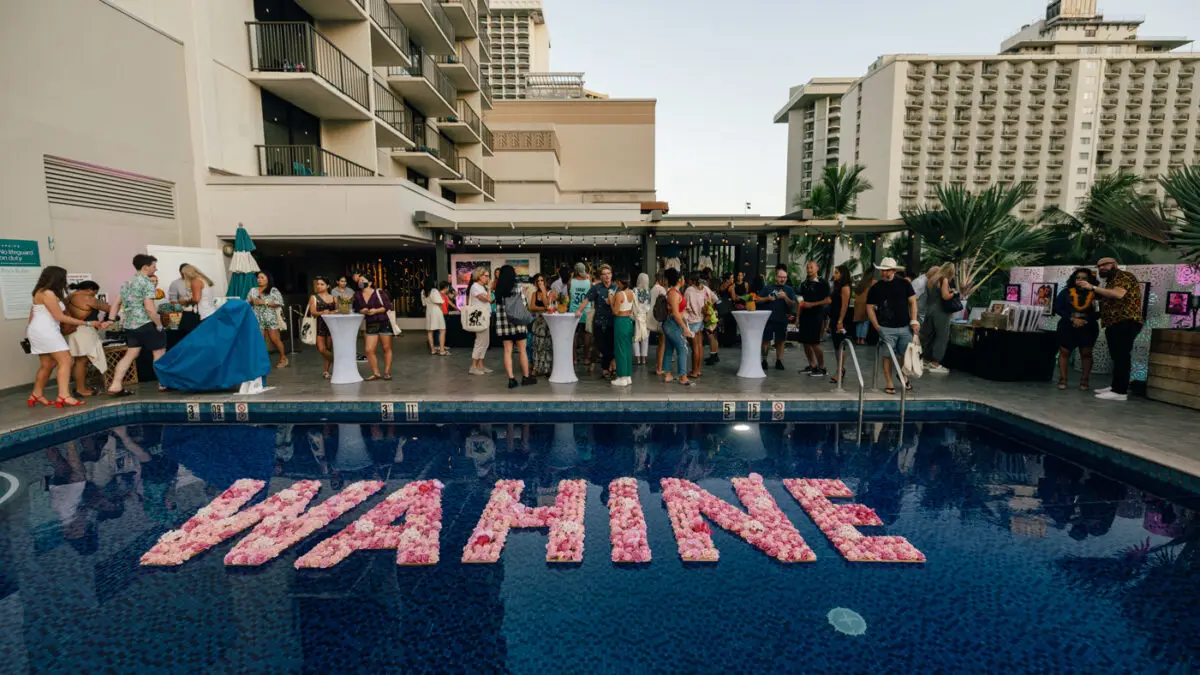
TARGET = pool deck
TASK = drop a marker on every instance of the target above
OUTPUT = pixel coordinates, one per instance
(1158, 432)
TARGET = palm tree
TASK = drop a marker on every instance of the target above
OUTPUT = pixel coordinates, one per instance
(977, 232)
(1087, 236)
(1177, 227)
(835, 196)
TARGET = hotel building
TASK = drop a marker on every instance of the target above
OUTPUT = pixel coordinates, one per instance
(1069, 97)
(520, 42)
(814, 118)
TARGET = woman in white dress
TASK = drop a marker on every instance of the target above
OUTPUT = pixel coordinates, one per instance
(435, 318)
(203, 296)
(46, 339)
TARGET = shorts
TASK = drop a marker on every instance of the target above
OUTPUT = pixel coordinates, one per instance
(1071, 338)
(380, 328)
(775, 331)
(839, 338)
(898, 338)
(146, 336)
(695, 327)
(810, 330)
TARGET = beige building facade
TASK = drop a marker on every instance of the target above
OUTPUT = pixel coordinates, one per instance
(520, 43)
(1072, 97)
(813, 114)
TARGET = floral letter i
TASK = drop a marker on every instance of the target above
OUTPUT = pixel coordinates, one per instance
(284, 522)
(416, 541)
(765, 527)
(504, 511)
(839, 522)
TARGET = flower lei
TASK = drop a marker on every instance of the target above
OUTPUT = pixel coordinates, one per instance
(1074, 293)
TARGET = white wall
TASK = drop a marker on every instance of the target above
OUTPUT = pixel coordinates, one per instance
(87, 82)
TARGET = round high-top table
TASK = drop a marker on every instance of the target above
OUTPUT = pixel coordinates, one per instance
(562, 335)
(750, 326)
(344, 330)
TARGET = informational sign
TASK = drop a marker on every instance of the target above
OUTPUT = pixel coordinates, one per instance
(20, 266)
(73, 278)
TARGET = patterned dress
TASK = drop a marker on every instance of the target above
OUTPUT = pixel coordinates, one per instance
(268, 317)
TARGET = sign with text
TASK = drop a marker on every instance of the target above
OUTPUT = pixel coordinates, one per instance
(20, 265)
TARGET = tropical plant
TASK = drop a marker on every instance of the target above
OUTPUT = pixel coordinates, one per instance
(834, 196)
(1178, 227)
(1086, 235)
(978, 232)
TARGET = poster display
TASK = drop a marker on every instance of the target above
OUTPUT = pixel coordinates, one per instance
(20, 266)
(463, 265)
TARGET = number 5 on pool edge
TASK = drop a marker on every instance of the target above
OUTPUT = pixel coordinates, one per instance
(728, 411)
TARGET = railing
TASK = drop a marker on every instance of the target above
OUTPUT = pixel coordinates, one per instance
(489, 186)
(464, 57)
(899, 376)
(440, 18)
(393, 113)
(849, 343)
(306, 160)
(485, 89)
(389, 22)
(470, 172)
(429, 70)
(468, 5)
(297, 47)
(467, 116)
(435, 144)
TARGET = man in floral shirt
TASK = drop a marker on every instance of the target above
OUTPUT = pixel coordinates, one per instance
(139, 320)
(1122, 315)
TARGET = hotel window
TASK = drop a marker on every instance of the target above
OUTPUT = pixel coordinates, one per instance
(1085, 155)
(1086, 126)
(1082, 171)
(1081, 185)
(1085, 141)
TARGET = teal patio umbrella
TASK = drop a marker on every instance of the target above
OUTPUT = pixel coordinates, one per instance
(243, 270)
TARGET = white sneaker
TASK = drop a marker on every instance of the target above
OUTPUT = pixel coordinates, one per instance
(1112, 396)
(476, 371)
(487, 371)
(1103, 391)
(939, 369)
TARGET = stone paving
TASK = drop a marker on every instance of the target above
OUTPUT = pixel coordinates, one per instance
(1156, 431)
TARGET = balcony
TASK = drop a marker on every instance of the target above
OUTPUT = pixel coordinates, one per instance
(959, 163)
(1137, 86)
(1183, 86)
(485, 47)
(1108, 132)
(909, 178)
(1054, 163)
(471, 180)
(389, 36)
(1008, 177)
(306, 160)
(1007, 163)
(1111, 102)
(1135, 101)
(990, 72)
(461, 69)
(987, 118)
(1037, 103)
(465, 127)
(1179, 147)
(393, 122)
(485, 92)
(1104, 161)
(985, 147)
(1128, 163)
(425, 88)
(1154, 132)
(1153, 161)
(1062, 86)
(1112, 86)
(1033, 148)
(1038, 87)
(1154, 147)
(1183, 102)
(1160, 85)
(1041, 72)
(297, 63)
(432, 155)
(1187, 71)
(916, 88)
(936, 133)
(937, 119)
(1182, 117)
(1158, 101)
(1033, 132)
(911, 163)
(914, 104)
(916, 72)
(1058, 133)
(1056, 148)
(911, 117)
(1053, 192)
(982, 178)
(428, 23)
(1012, 117)
(1009, 133)
(938, 103)
(333, 10)
(464, 16)
(911, 149)
(1106, 147)
(1008, 148)
(910, 132)
(488, 141)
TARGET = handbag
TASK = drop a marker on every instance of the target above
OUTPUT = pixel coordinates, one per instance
(476, 316)
(954, 305)
(308, 328)
(518, 313)
(283, 324)
(391, 315)
(913, 368)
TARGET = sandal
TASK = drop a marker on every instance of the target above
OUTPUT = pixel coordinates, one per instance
(326, 375)
(67, 402)
(34, 400)
(90, 392)
(890, 391)
(1062, 385)
(387, 376)
(1084, 386)
(372, 378)
(443, 352)
(689, 383)
(120, 394)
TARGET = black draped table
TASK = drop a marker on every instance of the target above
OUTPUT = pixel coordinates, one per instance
(1002, 355)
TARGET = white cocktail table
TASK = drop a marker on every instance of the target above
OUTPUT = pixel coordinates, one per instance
(562, 336)
(751, 325)
(344, 330)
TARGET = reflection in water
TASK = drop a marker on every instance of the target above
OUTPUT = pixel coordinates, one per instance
(1121, 560)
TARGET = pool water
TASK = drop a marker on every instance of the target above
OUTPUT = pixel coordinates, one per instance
(1035, 563)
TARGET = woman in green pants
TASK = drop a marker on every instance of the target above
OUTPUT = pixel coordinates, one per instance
(623, 303)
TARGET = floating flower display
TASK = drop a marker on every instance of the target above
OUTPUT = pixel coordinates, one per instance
(222, 519)
(765, 527)
(627, 523)
(278, 531)
(416, 540)
(839, 522)
(504, 511)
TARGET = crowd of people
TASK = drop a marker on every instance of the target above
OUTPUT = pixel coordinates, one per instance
(617, 316)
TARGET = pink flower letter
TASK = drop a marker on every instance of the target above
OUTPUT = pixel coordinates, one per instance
(222, 519)
(765, 527)
(278, 531)
(504, 511)
(627, 523)
(416, 541)
(839, 522)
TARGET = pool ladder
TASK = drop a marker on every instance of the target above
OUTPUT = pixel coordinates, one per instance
(858, 372)
(899, 376)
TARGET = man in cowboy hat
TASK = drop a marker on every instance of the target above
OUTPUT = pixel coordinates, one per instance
(1121, 312)
(892, 310)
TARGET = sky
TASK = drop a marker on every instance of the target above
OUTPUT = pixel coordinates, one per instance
(720, 70)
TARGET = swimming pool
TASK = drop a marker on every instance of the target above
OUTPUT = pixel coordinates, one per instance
(1033, 562)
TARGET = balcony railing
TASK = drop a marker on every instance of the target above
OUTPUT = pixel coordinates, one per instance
(487, 136)
(297, 47)
(428, 69)
(464, 57)
(435, 144)
(440, 18)
(471, 173)
(468, 5)
(393, 113)
(485, 42)
(468, 116)
(389, 22)
(306, 160)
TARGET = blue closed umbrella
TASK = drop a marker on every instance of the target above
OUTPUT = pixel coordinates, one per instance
(243, 269)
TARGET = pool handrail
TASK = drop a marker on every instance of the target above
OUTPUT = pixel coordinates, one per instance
(858, 372)
(903, 384)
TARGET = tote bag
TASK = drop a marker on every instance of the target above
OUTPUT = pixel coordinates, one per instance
(518, 313)
(308, 328)
(477, 316)
(913, 368)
